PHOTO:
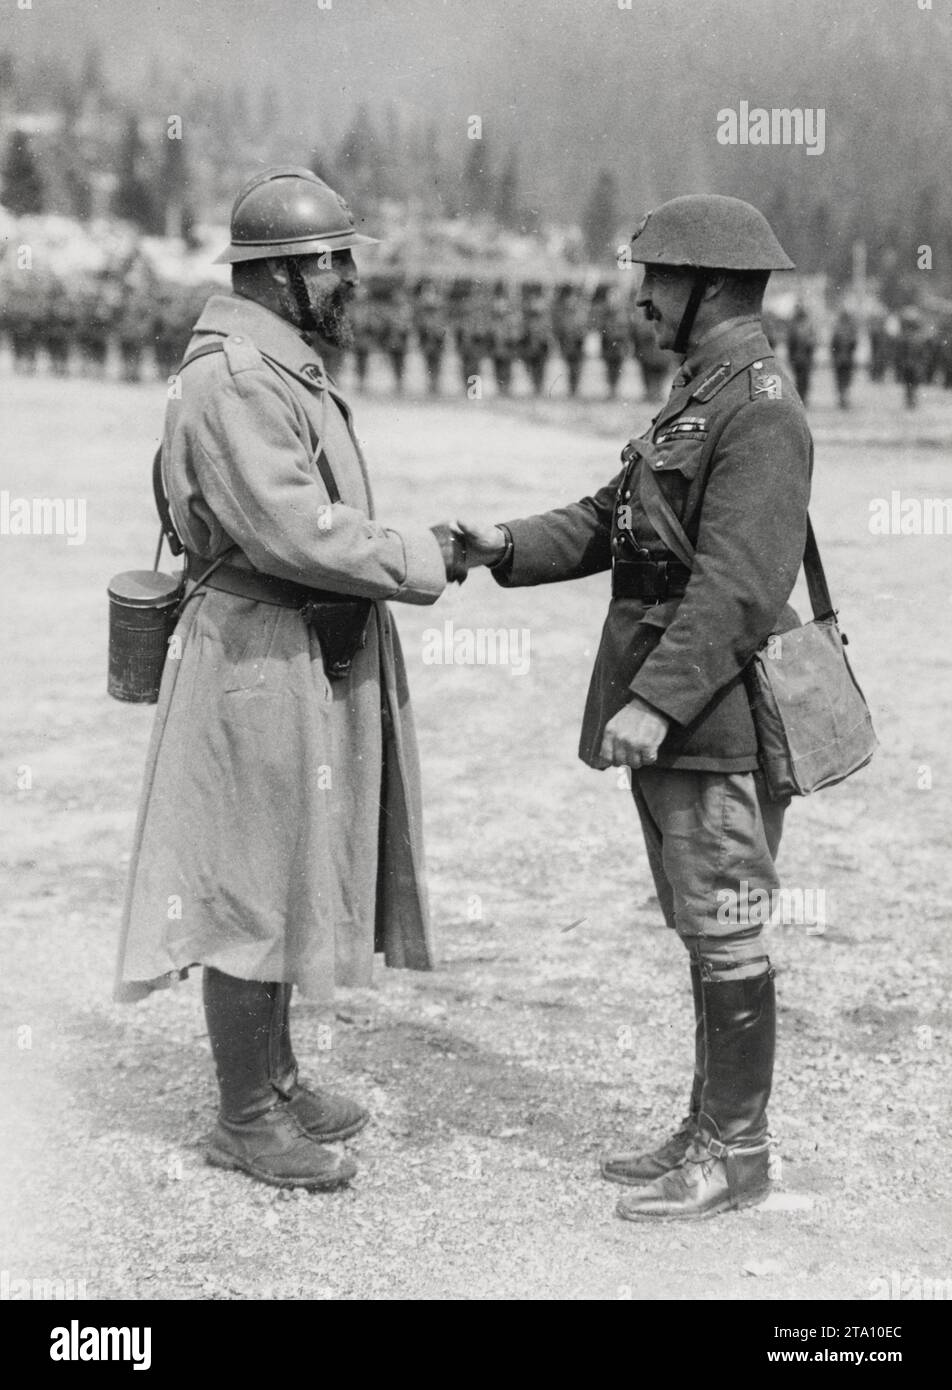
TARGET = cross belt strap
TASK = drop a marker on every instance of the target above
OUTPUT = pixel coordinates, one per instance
(168, 532)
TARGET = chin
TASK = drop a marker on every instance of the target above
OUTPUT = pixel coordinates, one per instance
(337, 333)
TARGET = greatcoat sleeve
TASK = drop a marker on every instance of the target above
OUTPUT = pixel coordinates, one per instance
(748, 552)
(256, 474)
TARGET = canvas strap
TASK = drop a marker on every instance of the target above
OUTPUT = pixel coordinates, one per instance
(666, 523)
(168, 532)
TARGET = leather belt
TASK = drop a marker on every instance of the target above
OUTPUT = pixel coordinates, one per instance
(263, 588)
(652, 581)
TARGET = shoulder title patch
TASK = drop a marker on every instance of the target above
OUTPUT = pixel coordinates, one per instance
(712, 383)
(769, 384)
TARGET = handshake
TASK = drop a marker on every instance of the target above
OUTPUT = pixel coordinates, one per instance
(465, 546)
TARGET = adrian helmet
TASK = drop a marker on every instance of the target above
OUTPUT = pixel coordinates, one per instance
(289, 211)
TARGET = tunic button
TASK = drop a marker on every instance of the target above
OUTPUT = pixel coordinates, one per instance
(758, 365)
(627, 494)
(236, 338)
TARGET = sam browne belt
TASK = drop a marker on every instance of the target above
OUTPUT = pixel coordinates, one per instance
(652, 581)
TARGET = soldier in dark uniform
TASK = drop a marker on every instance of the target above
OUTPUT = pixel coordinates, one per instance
(430, 319)
(23, 307)
(535, 339)
(97, 315)
(134, 314)
(503, 337)
(396, 327)
(911, 352)
(570, 328)
(170, 329)
(801, 347)
(724, 467)
(58, 328)
(614, 328)
(472, 333)
(132, 329)
(878, 347)
(843, 354)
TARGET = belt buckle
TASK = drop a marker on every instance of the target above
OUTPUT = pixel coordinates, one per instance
(656, 587)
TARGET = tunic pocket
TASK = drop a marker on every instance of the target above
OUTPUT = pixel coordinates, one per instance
(679, 456)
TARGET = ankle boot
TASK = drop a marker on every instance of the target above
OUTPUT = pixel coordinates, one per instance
(256, 1130)
(634, 1167)
(726, 1165)
(322, 1115)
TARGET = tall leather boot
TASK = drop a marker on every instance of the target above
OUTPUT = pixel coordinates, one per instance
(635, 1167)
(322, 1115)
(726, 1165)
(257, 1130)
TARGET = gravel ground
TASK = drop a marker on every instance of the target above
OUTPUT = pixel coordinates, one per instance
(558, 1022)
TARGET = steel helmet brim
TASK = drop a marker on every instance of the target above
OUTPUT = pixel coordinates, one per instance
(303, 246)
(707, 231)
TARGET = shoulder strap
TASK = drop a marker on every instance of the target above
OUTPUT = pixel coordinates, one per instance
(663, 518)
(168, 531)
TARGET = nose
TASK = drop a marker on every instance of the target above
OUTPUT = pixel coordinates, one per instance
(348, 272)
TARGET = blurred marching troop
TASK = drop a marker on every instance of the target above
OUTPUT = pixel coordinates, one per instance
(464, 333)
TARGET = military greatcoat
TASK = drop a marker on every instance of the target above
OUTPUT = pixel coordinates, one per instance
(279, 832)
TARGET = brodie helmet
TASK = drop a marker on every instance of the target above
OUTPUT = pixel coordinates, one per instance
(707, 232)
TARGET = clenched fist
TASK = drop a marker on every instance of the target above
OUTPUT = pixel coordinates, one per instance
(633, 736)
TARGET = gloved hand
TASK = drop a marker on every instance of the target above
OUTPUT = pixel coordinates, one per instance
(454, 552)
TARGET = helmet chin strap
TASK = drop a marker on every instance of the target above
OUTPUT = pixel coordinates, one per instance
(301, 296)
(683, 334)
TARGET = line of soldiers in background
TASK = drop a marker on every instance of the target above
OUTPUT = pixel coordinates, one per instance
(149, 322)
(916, 351)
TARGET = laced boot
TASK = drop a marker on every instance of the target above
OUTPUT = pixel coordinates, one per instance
(257, 1131)
(322, 1115)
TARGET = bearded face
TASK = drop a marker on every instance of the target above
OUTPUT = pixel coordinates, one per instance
(329, 282)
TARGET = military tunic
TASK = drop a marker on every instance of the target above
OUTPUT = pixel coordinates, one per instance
(732, 451)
